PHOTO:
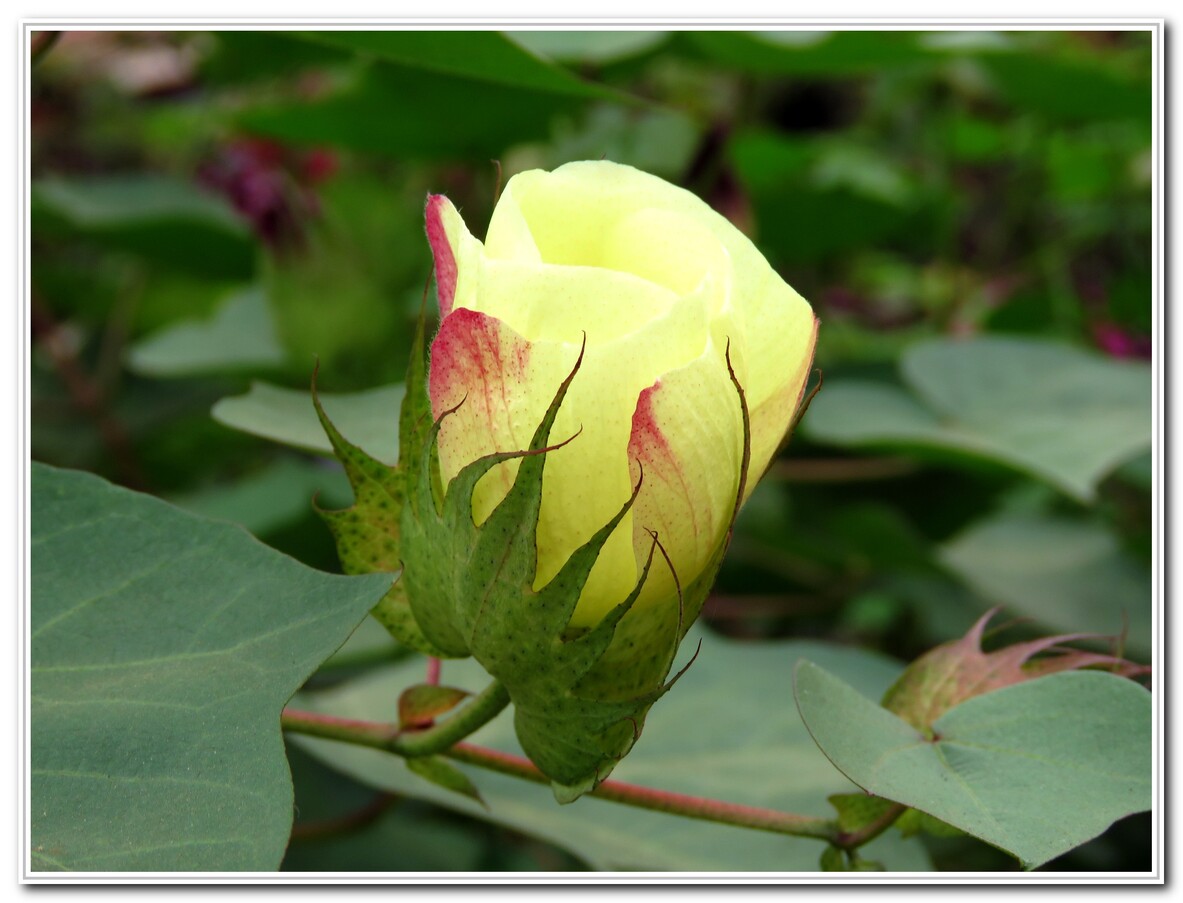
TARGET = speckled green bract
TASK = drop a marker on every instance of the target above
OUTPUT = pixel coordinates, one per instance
(367, 534)
(580, 698)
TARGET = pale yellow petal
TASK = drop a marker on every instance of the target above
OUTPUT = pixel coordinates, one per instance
(771, 418)
(687, 441)
(561, 303)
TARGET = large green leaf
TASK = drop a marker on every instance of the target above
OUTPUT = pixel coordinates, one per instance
(369, 419)
(239, 335)
(163, 647)
(718, 733)
(1036, 769)
(412, 112)
(164, 219)
(1059, 413)
(1071, 575)
(483, 56)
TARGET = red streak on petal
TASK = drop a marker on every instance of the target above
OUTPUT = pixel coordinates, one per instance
(649, 447)
(477, 357)
(647, 443)
(445, 260)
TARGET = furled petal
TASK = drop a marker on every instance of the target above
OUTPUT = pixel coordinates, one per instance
(564, 303)
(789, 340)
(555, 219)
(687, 439)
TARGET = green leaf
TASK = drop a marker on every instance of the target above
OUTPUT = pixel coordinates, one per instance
(1069, 574)
(369, 419)
(482, 56)
(444, 774)
(832, 860)
(163, 649)
(239, 335)
(717, 736)
(421, 704)
(164, 219)
(1035, 769)
(424, 114)
(1061, 414)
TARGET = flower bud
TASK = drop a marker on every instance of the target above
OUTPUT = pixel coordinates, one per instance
(615, 366)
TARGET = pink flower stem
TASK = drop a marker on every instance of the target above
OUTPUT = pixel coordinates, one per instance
(433, 671)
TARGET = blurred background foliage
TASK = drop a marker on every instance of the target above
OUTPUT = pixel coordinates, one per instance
(969, 213)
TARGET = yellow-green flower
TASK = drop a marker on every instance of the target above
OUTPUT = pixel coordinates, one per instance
(660, 286)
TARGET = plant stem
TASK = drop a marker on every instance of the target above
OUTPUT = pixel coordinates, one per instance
(433, 671)
(386, 737)
(852, 840)
(409, 744)
(658, 800)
